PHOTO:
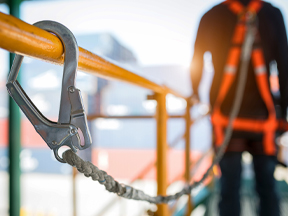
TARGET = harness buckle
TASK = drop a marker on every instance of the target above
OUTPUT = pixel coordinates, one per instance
(72, 117)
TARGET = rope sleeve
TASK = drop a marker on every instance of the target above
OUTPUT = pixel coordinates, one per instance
(128, 192)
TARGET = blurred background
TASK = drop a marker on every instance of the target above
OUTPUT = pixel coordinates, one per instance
(151, 38)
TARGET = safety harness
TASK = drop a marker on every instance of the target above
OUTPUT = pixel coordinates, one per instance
(220, 121)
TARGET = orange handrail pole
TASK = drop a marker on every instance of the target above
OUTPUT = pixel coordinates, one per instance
(22, 38)
(162, 147)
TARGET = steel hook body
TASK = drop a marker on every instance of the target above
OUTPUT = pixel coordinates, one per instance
(72, 116)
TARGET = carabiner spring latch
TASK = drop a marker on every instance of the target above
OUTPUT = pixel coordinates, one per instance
(72, 117)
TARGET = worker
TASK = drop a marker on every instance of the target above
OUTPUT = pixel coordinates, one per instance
(221, 32)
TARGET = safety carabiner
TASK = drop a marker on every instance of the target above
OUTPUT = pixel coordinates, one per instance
(72, 117)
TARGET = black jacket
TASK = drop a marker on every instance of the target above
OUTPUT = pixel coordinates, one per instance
(214, 34)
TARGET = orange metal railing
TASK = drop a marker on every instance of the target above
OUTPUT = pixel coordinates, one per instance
(25, 39)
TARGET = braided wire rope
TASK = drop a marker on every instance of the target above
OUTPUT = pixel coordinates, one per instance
(122, 190)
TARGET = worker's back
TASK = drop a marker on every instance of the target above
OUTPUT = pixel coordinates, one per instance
(254, 127)
(214, 34)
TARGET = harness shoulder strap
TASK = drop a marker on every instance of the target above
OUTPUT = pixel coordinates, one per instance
(236, 7)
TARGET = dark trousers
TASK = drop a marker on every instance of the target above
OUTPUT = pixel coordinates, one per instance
(231, 168)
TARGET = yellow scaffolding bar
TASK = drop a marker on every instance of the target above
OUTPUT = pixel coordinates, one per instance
(28, 40)
(25, 39)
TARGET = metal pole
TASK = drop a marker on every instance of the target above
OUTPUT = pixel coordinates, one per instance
(14, 137)
(162, 183)
(74, 195)
(187, 156)
(28, 40)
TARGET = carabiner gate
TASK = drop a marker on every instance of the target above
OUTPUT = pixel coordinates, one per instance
(72, 117)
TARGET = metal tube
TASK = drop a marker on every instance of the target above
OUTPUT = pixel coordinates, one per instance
(187, 156)
(14, 137)
(74, 192)
(28, 40)
(162, 182)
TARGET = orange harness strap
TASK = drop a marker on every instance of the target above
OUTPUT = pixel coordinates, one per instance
(219, 121)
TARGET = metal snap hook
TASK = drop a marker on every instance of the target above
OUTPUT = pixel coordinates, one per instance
(71, 114)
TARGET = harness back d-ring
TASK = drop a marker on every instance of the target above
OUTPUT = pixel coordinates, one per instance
(72, 117)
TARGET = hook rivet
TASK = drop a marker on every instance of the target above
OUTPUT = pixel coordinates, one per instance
(71, 89)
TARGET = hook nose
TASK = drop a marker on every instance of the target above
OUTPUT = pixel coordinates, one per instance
(71, 55)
